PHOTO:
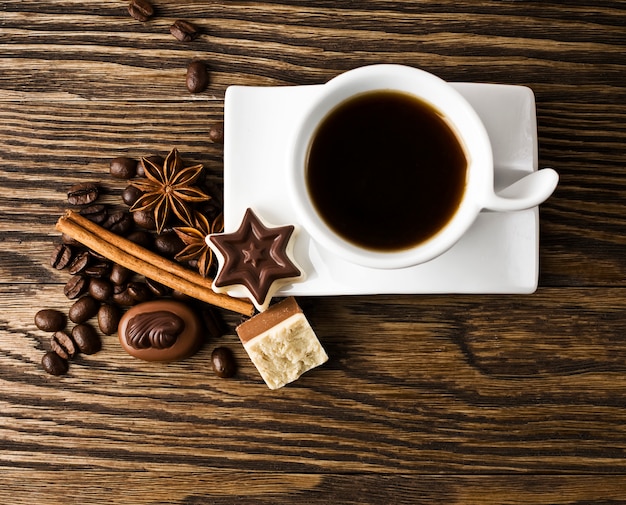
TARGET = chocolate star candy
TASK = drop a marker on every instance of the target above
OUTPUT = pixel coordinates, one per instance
(256, 258)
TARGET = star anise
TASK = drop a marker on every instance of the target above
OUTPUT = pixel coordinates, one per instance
(194, 237)
(169, 187)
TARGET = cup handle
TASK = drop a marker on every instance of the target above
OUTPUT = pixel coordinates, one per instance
(529, 191)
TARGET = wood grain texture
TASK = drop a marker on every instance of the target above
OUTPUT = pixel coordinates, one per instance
(266, 488)
(426, 399)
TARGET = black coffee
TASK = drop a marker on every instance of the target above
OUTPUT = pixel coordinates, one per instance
(385, 171)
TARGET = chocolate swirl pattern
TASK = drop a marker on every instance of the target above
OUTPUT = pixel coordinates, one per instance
(157, 330)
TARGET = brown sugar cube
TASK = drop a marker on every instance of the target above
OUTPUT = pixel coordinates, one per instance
(281, 343)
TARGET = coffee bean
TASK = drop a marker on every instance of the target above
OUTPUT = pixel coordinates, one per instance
(140, 237)
(79, 263)
(119, 288)
(96, 213)
(180, 296)
(130, 195)
(98, 271)
(63, 345)
(108, 319)
(216, 134)
(123, 297)
(155, 158)
(214, 324)
(157, 288)
(119, 222)
(67, 240)
(197, 77)
(123, 167)
(61, 256)
(141, 171)
(184, 30)
(119, 274)
(83, 309)
(223, 362)
(54, 364)
(100, 289)
(144, 219)
(83, 193)
(139, 291)
(98, 256)
(76, 286)
(211, 209)
(86, 338)
(50, 320)
(168, 244)
(211, 187)
(141, 10)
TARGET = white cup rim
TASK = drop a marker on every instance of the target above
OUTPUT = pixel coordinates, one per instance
(443, 97)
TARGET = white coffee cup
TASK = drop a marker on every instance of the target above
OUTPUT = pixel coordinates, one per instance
(479, 191)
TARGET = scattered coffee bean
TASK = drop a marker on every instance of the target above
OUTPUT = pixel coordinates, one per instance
(119, 222)
(123, 167)
(144, 219)
(216, 134)
(130, 195)
(98, 270)
(54, 364)
(62, 344)
(184, 30)
(96, 213)
(83, 309)
(141, 10)
(119, 274)
(108, 319)
(168, 244)
(61, 256)
(100, 289)
(223, 362)
(76, 286)
(50, 320)
(79, 263)
(86, 338)
(197, 77)
(83, 193)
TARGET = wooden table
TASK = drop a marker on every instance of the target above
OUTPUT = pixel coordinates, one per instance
(452, 399)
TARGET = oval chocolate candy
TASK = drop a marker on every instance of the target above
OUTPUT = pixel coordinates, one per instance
(162, 330)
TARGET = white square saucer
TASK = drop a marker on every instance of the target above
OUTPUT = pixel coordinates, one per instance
(499, 254)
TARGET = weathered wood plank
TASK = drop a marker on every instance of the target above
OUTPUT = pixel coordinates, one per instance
(71, 49)
(415, 384)
(426, 399)
(267, 488)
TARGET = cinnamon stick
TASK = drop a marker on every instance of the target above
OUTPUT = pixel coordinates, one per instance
(140, 260)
